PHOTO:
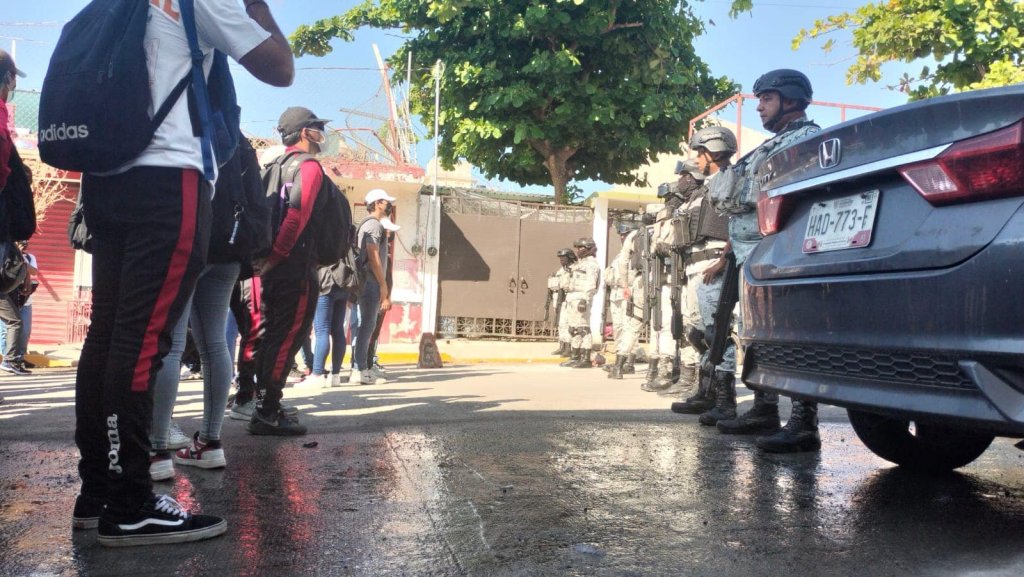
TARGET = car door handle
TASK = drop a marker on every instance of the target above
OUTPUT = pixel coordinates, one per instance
(523, 286)
(511, 284)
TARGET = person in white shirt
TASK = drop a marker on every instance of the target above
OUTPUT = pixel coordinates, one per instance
(150, 224)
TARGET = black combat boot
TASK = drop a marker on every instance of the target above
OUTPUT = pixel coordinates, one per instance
(608, 367)
(630, 367)
(564, 349)
(700, 402)
(663, 379)
(762, 418)
(799, 434)
(617, 368)
(583, 362)
(652, 373)
(574, 355)
(725, 400)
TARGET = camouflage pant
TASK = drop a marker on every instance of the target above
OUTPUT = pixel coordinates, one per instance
(578, 312)
(563, 325)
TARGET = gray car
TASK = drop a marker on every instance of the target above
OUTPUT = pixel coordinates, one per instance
(891, 277)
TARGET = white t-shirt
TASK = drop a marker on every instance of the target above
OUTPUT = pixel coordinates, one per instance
(31, 260)
(221, 25)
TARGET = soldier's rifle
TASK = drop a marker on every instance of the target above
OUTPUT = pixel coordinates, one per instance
(547, 304)
(723, 315)
(677, 268)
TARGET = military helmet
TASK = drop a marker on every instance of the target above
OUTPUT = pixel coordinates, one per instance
(690, 167)
(714, 139)
(791, 84)
(585, 242)
(566, 253)
(625, 227)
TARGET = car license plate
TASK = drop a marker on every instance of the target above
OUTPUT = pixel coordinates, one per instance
(841, 223)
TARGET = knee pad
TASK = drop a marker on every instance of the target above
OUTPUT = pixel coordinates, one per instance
(695, 337)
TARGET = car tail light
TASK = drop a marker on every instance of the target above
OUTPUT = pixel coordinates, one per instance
(983, 167)
(771, 213)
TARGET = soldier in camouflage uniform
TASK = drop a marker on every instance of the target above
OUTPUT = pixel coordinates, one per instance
(708, 232)
(585, 277)
(662, 346)
(558, 282)
(618, 288)
(629, 279)
(783, 96)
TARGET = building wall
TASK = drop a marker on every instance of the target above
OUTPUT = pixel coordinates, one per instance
(56, 275)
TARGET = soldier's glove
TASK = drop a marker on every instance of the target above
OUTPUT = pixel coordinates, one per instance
(582, 306)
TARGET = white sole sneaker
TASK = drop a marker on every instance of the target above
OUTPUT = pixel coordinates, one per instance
(208, 459)
(161, 470)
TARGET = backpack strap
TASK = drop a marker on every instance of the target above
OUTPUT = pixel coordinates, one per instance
(188, 19)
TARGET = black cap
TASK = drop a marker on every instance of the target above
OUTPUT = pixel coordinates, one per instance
(296, 118)
(7, 64)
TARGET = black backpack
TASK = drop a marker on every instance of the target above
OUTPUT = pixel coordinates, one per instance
(331, 226)
(341, 274)
(79, 236)
(241, 226)
(17, 205)
(12, 267)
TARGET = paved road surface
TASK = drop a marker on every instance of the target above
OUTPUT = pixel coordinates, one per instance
(514, 470)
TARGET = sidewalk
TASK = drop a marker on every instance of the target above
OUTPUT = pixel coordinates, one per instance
(453, 351)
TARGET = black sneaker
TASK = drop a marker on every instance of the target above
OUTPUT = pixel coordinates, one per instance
(161, 520)
(15, 368)
(279, 423)
(87, 512)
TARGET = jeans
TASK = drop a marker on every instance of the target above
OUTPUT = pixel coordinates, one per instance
(209, 313)
(369, 309)
(329, 328)
(14, 331)
(353, 332)
(26, 331)
(231, 337)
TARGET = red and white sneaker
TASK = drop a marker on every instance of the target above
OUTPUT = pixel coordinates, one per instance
(208, 455)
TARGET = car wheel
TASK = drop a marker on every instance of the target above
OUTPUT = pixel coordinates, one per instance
(918, 446)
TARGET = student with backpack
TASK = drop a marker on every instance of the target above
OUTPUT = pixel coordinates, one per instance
(149, 216)
(302, 194)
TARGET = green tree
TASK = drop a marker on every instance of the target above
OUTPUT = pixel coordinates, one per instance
(974, 43)
(545, 91)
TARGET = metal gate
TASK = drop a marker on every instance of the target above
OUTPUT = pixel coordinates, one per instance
(495, 258)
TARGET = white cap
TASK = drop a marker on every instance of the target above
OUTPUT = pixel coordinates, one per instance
(378, 194)
(388, 225)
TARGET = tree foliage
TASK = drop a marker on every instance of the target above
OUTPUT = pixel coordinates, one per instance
(974, 43)
(545, 91)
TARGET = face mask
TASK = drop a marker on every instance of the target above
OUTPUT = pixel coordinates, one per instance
(318, 140)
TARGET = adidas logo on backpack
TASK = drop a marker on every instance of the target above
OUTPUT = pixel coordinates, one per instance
(63, 132)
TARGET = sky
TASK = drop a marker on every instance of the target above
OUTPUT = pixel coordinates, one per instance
(349, 77)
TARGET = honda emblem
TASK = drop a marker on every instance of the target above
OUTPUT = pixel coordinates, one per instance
(829, 153)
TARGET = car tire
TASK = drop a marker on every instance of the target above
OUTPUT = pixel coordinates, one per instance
(928, 448)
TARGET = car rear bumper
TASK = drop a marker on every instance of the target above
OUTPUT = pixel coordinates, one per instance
(943, 345)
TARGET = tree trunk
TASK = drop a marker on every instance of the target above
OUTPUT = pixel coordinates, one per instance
(556, 160)
(559, 177)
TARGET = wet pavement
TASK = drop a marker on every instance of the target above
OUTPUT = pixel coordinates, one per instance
(514, 470)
